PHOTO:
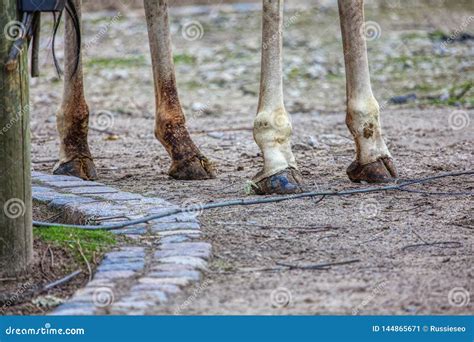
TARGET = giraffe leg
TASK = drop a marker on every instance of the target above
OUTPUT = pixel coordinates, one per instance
(170, 128)
(272, 125)
(373, 162)
(73, 115)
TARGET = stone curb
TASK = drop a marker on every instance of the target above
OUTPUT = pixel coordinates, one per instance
(166, 254)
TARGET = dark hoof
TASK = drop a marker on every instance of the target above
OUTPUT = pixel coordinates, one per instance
(82, 167)
(380, 171)
(196, 168)
(288, 181)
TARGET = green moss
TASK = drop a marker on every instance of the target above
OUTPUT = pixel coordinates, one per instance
(120, 62)
(192, 84)
(437, 35)
(92, 242)
(184, 59)
(294, 73)
(413, 35)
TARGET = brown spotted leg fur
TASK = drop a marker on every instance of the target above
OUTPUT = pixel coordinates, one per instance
(170, 129)
(373, 162)
(73, 116)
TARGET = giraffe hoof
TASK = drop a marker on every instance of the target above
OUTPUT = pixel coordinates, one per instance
(82, 167)
(380, 171)
(284, 182)
(196, 168)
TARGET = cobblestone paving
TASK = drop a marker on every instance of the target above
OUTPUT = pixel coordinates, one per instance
(164, 255)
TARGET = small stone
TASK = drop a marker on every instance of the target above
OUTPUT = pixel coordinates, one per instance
(174, 226)
(160, 281)
(95, 283)
(193, 233)
(311, 141)
(114, 274)
(153, 295)
(64, 199)
(132, 249)
(157, 202)
(171, 267)
(175, 238)
(198, 106)
(92, 190)
(35, 174)
(72, 184)
(100, 209)
(53, 178)
(126, 266)
(45, 197)
(186, 260)
(115, 75)
(166, 288)
(85, 311)
(47, 301)
(133, 302)
(120, 196)
(39, 189)
(194, 249)
(216, 135)
(126, 254)
(130, 231)
(192, 275)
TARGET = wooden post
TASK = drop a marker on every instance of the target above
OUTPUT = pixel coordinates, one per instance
(16, 233)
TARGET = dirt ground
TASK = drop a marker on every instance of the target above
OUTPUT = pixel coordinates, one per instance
(218, 77)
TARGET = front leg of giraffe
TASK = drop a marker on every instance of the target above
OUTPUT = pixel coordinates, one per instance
(272, 126)
(72, 118)
(373, 163)
(170, 129)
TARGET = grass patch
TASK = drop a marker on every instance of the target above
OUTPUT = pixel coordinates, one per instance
(192, 84)
(91, 242)
(184, 59)
(121, 62)
(437, 35)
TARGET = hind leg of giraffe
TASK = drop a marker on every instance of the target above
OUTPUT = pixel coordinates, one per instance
(272, 125)
(170, 129)
(73, 115)
(373, 161)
